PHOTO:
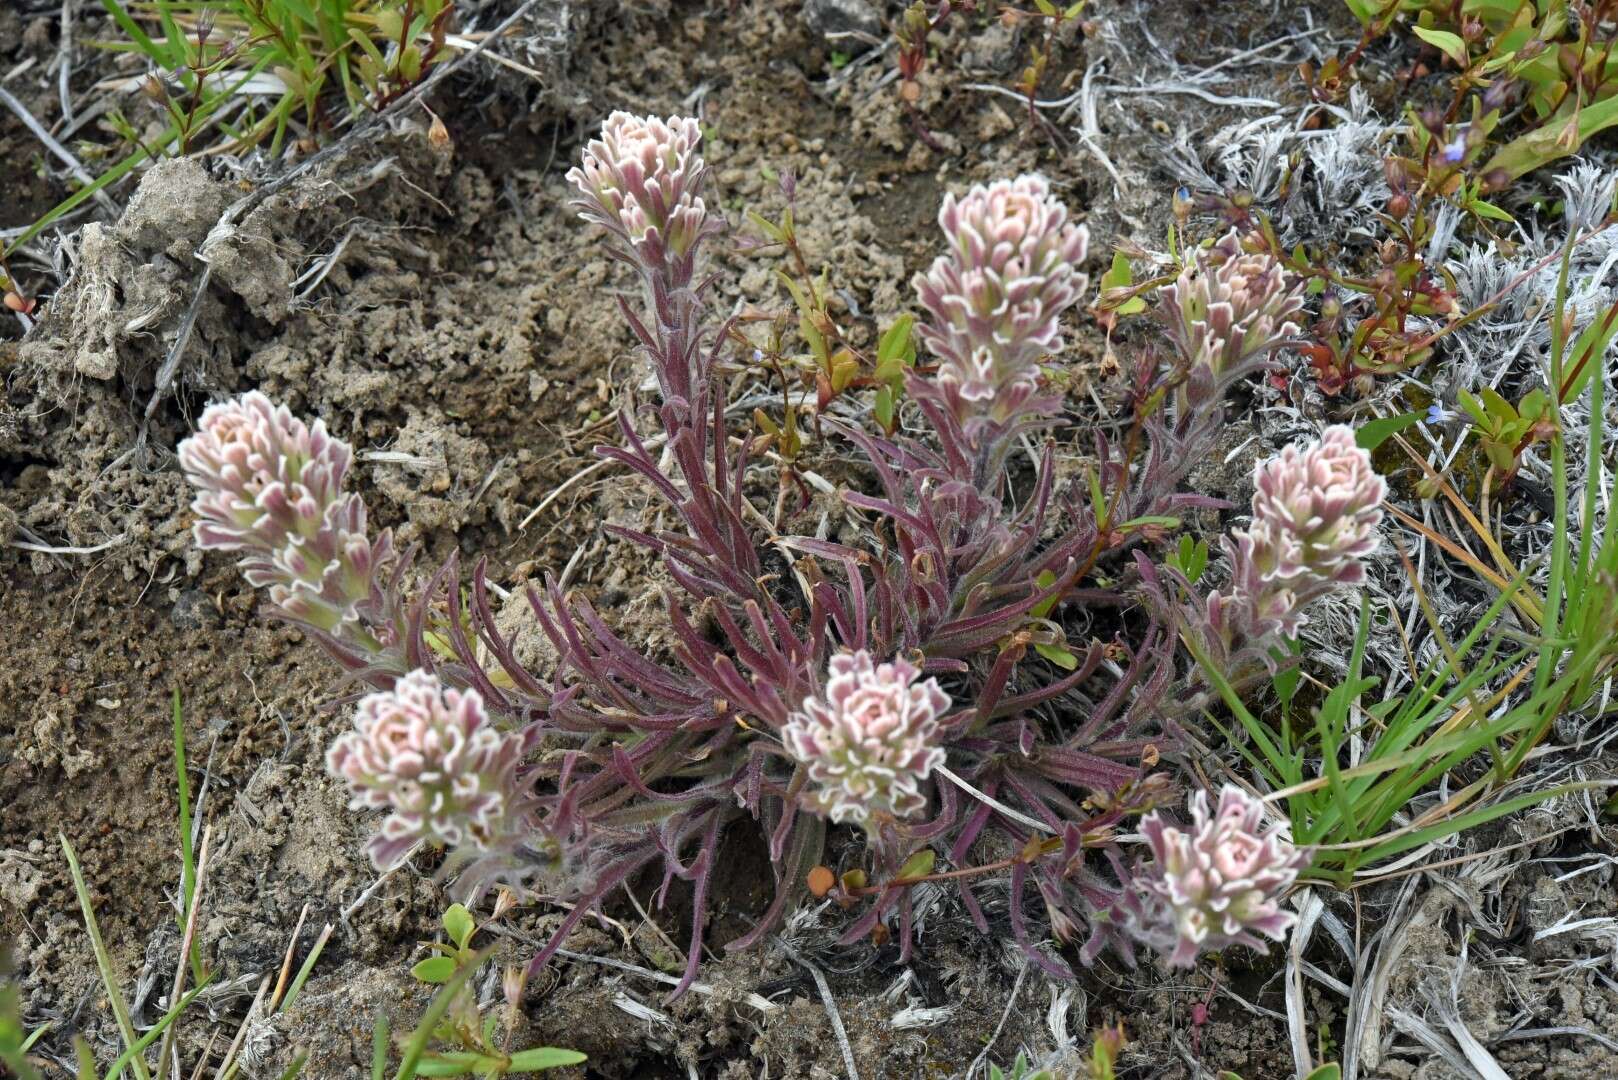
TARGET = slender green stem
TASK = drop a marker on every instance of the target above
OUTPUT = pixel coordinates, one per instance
(109, 980)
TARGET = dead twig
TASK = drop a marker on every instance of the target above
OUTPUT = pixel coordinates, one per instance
(57, 150)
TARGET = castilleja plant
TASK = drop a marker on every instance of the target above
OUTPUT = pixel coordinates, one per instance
(1229, 305)
(1226, 314)
(430, 755)
(1316, 510)
(271, 487)
(995, 300)
(1213, 885)
(913, 676)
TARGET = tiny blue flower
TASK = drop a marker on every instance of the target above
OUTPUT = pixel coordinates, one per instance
(1455, 149)
(1436, 414)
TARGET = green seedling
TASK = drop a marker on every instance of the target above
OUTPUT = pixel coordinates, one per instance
(1505, 430)
(454, 1018)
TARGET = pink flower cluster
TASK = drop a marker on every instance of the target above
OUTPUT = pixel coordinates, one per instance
(643, 179)
(271, 486)
(995, 300)
(1217, 883)
(429, 754)
(871, 741)
(1229, 306)
(1315, 516)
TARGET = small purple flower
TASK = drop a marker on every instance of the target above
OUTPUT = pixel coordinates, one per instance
(995, 301)
(1436, 414)
(1217, 883)
(1229, 306)
(872, 739)
(1455, 150)
(429, 754)
(270, 486)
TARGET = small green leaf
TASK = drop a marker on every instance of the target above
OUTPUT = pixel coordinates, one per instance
(1444, 41)
(456, 1063)
(1504, 9)
(918, 865)
(1098, 501)
(1044, 581)
(896, 346)
(410, 63)
(1062, 658)
(1532, 406)
(1365, 10)
(545, 1057)
(882, 408)
(435, 970)
(1286, 681)
(1326, 1072)
(379, 1047)
(1119, 276)
(1488, 210)
(1374, 433)
(768, 228)
(458, 925)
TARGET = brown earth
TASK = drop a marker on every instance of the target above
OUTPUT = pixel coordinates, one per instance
(465, 337)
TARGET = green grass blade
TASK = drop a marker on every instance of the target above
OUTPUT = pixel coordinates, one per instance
(291, 1071)
(1233, 701)
(128, 1056)
(303, 972)
(1400, 844)
(136, 34)
(109, 980)
(1553, 588)
(188, 857)
(379, 1047)
(112, 175)
(35, 1035)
